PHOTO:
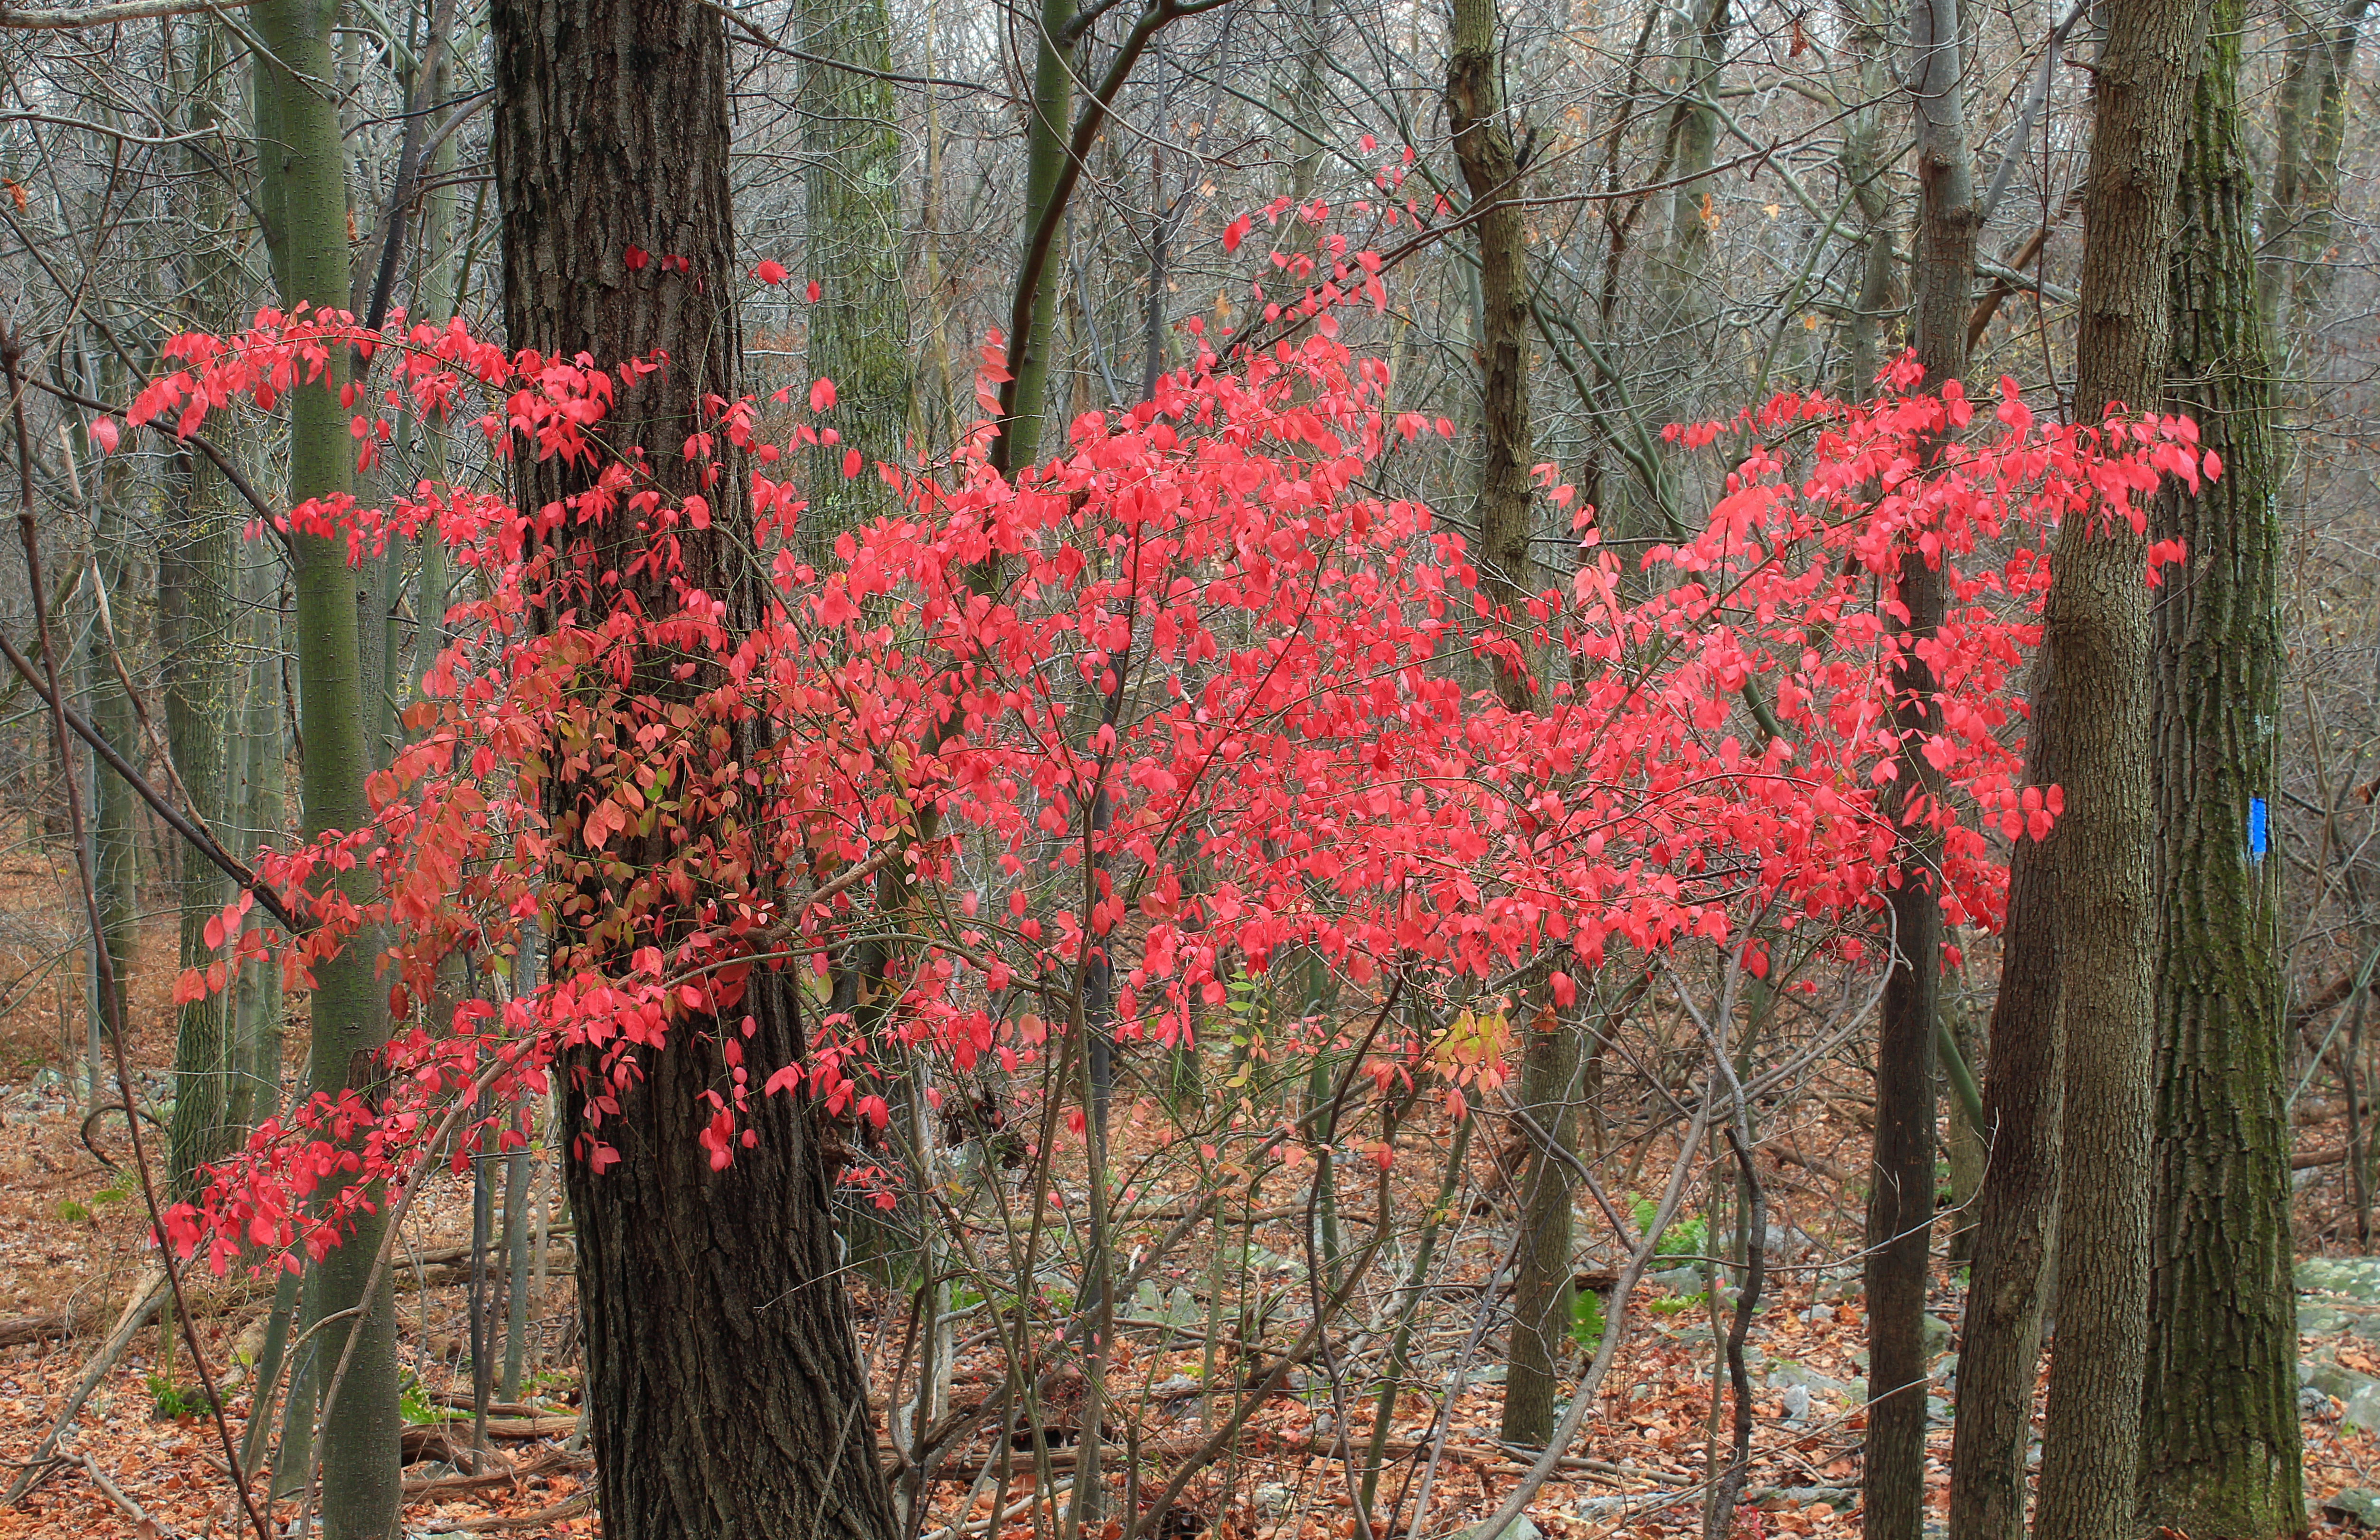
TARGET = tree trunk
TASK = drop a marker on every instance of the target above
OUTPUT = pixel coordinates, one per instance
(197, 572)
(2309, 134)
(2096, 630)
(2220, 1447)
(859, 328)
(1542, 1283)
(111, 711)
(1047, 123)
(264, 771)
(725, 1398)
(1900, 1192)
(305, 197)
(1483, 143)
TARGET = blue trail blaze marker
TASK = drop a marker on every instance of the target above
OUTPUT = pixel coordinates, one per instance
(2255, 828)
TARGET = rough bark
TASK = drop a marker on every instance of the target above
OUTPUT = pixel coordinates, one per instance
(2220, 1445)
(725, 1395)
(305, 193)
(2099, 638)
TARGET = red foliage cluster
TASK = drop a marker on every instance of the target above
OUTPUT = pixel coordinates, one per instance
(1202, 617)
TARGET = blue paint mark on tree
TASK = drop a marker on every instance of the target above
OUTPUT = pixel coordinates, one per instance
(2256, 829)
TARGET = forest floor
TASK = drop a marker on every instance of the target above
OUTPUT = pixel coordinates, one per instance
(70, 1250)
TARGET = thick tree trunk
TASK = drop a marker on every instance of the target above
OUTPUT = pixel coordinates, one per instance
(2220, 1445)
(726, 1394)
(305, 199)
(2098, 640)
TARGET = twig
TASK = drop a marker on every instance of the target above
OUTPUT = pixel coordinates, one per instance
(133, 1511)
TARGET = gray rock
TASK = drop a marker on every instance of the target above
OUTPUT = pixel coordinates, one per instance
(1519, 1529)
(2353, 1506)
(2363, 1408)
(1818, 1314)
(1795, 1404)
(2332, 1378)
(1841, 1289)
(1938, 1411)
(2357, 1277)
(1272, 1497)
(1806, 1496)
(2320, 1320)
(1678, 1280)
(1792, 1375)
(2312, 1402)
(1936, 1334)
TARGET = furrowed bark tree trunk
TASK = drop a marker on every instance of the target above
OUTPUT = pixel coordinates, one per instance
(305, 199)
(2098, 639)
(1901, 1190)
(2220, 1445)
(725, 1393)
(859, 328)
(197, 572)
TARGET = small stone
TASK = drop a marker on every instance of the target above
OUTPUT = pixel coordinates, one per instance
(2363, 1410)
(1272, 1497)
(1791, 1375)
(1179, 1385)
(1519, 1529)
(1819, 1315)
(2353, 1506)
(1841, 1289)
(1935, 1332)
(2331, 1378)
(1795, 1404)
